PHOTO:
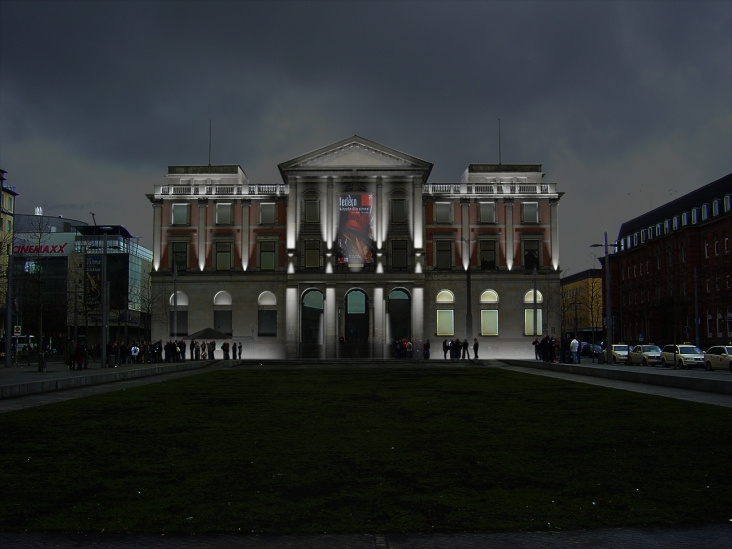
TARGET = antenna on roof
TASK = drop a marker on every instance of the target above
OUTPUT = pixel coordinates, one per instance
(499, 141)
(209, 141)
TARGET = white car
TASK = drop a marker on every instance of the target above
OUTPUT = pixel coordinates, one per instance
(647, 355)
(718, 357)
(617, 354)
(685, 356)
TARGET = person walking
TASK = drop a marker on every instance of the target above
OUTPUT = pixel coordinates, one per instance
(475, 347)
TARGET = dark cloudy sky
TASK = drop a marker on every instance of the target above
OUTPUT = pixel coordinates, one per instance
(626, 104)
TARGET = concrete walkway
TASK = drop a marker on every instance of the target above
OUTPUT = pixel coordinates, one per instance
(26, 387)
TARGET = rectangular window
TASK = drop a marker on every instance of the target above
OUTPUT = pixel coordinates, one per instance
(487, 212)
(223, 256)
(530, 212)
(488, 254)
(443, 253)
(529, 322)
(180, 214)
(532, 259)
(399, 254)
(398, 210)
(489, 322)
(312, 254)
(267, 255)
(445, 322)
(442, 212)
(179, 255)
(267, 214)
(181, 327)
(312, 211)
(224, 214)
(222, 322)
(267, 323)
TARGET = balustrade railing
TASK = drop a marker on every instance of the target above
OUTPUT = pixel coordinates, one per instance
(220, 190)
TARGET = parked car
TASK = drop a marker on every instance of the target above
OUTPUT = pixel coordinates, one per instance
(589, 350)
(686, 356)
(615, 354)
(718, 357)
(647, 355)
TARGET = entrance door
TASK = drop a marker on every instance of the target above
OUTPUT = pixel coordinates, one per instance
(311, 324)
(400, 316)
(357, 324)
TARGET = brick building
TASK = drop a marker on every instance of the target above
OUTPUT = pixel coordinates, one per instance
(670, 278)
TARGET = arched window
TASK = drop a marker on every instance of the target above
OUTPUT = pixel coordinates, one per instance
(267, 315)
(489, 296)
(489, 313)
(529, 297)
(178, 324)
(445, 296)
(222, 305)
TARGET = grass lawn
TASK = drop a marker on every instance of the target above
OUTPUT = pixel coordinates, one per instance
(364, 451)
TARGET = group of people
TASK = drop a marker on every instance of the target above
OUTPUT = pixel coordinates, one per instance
(549, 349)
(459, 349)
(148, 352)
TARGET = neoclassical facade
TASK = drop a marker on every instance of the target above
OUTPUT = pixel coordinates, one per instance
(354, 249)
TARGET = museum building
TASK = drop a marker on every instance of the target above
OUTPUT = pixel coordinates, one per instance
(355, 249)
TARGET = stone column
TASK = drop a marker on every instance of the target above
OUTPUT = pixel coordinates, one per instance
(157, 233)
(202, 231)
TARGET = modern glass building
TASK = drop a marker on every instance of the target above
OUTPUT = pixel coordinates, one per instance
(59, 268)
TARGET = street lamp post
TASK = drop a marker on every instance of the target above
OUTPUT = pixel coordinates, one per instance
(608, 301)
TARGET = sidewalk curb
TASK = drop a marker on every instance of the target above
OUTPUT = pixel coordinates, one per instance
(72, 382)
(654, 376)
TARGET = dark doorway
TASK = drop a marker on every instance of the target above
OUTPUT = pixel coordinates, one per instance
(311, 332)
(357, 324)
(400, 315)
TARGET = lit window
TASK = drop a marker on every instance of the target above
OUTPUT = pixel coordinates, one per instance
(489, 296)
(489, 322)
(445, 322)
(529, 322)
(445, 296)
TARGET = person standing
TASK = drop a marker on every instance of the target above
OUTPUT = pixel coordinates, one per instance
(240, 350)
(475, 347)
(574, 347)
(426, 350)
(466, 349)
(445, 348)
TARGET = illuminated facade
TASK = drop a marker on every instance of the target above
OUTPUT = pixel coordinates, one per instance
(354, 249)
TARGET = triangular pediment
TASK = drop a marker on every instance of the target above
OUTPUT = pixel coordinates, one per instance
(355, 153)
